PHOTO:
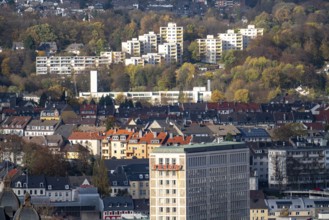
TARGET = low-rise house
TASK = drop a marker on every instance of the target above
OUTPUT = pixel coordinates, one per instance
(90, 140)
(254, 134)
(74, 48)
(115, 207)
(18, 46)
(49, 48)
(41, 127)
(54, 143)
(50, 114)
(88, 111)
(119, 184)
(14, 125)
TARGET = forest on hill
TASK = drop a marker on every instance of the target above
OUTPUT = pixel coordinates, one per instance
(292, 52)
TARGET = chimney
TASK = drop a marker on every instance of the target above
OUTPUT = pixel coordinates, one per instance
(155, 134)
(140, 134)
(208, 85)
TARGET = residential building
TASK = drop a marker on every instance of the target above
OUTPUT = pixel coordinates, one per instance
(50, 114)
(119, 143)
(171, 52)
(75, 152)
(138, 176)
(41, 127)
(74, 48)
(54, 143)
(14, 125)
(48, 48)
(149, 42)
(152, 58)
(115, 207)
(210, 49)
(298, 167)
(258, 207)
(135, 61)
(90, 140)
(250, 33)
(231, 40)
(172, 37)
(202, 181)
(88, 110)
(132, 47)
(254, 134)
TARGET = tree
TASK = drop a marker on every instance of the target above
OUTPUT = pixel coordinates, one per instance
(109, 122)
(216, 96)
(241, 95)
(193, 49)
(278, 168)
(287, 131)
(100, 177)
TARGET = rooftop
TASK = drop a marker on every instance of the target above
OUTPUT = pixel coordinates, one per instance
(193, 148)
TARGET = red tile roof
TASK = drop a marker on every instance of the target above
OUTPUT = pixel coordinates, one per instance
(179, 140)
(78, 135)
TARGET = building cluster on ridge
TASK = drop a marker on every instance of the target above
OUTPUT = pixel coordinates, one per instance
(150, 48)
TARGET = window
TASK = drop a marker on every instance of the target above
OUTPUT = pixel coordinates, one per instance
(173, 161)
(161, 209)
(174, 209)
(167, 210)
(174, 201)
(18, 192)
(49, 187)
(173, 191)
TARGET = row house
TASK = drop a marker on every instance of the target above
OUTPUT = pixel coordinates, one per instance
(15, 125)
(88, 111)
(90, 140)
(41, 127)
(50, 114)
(56, 189)
(54, 143)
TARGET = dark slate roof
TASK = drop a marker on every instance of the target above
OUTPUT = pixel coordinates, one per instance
(65, 130)
(257, 199)
(142, 205)
(32, 181)
(123, 203)
(139, 177)
(118, 179)
(275, 107)
(202, 139)
(3, 214)
(112, 164)
(136, 168)
(253, 132)
(58, 183)
(303, 116)
(283, 116)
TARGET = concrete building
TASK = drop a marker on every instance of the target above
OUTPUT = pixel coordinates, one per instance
(231, 40)
(93, 81)
(173, 34)
(210, 49)
(250, 33)
(132, 47)
(171, 52)
(135, 61)
(206, 181)
(149, 42)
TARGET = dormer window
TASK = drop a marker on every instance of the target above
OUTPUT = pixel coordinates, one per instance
(155, 142)
(126, 204)
(122, 138)
(49, 187)
(67, 187)
(146, 176)
(141, 176)
(115, 138)
(18, 184)
(25, 185)
(115, 183)
(41, 185)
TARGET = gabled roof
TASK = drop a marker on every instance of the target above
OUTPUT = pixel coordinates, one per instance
(112, 164)
(16, 122)
(257, 200)
(118, 203)
(78, 135)
(179, 140)
(57, 183)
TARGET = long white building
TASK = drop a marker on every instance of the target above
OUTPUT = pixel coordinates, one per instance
(203, 181)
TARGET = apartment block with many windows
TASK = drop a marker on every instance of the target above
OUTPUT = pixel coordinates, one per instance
(202, 181)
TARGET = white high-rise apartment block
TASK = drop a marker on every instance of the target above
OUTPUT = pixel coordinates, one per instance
(231, 40)
(250, 33)
(170, 52)
(152, 58)
(210, 49)
(149, 42)
(132, 47)
(173, 35)
(200, 182)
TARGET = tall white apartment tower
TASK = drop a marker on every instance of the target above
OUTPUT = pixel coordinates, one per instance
(149, 42)
(93, 81)
(200, 182)
(231, 40)
(250, 33)
(210, 49)
(173, 35)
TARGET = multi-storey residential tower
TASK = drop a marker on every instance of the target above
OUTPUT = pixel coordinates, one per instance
(231, 40)
(173, 35)
(132, 47)
(250, 33)
(210, 49)
(195, 182)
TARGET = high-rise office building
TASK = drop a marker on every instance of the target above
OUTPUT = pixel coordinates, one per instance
(202, 181)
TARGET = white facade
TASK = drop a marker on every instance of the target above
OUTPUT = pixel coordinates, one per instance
(93, 81)
(231, 40)
(152, 58)
(207, 181)
(210, 49)
(132, 47)
(135, 61)
(250, 33)
(149, 42)
(171, 52)
(93, 145)
(172, 97)
(172, 35)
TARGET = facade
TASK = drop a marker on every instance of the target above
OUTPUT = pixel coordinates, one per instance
(50, 114)
(149, 42)
(250, 33)
(171, 52)
(173, 35)
(298, 167)
(90, 140)
(210, 49)
(206, 181)
(15, 125)
(231, 40)
(258, 207)
(135, 61)
(132, 47)
(41, 127)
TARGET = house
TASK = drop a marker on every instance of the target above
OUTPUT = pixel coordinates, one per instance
(223, 131)
(75, 151)
(41, 127)
(119, 143)
(258, 207)
(254, 134)
(74, 48)
(115, 207)
(50, 114)
(7, 100)
(89, 140)
(138, 176)
(118, 181)
(54, 143)
(49, 48)
(88, 111)
(18, 46)
(14, 125)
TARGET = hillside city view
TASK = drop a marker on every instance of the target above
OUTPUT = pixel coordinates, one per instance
(164, 109)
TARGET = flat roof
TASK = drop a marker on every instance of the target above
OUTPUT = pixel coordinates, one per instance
(206, 147)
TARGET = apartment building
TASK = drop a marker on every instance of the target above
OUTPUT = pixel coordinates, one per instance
(41, 127)
(250, 33)
(135, 61)
(172, 34)
(202, 181)
(171, 52)
(231, 40)
(210, 49)
(299, 167)
(149, 42)
(90, 140)
(132, 47)
(14, 125)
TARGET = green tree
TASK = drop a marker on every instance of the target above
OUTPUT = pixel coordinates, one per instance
(241, 95)
(216, 96)
(193, 49)
(100, 177)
